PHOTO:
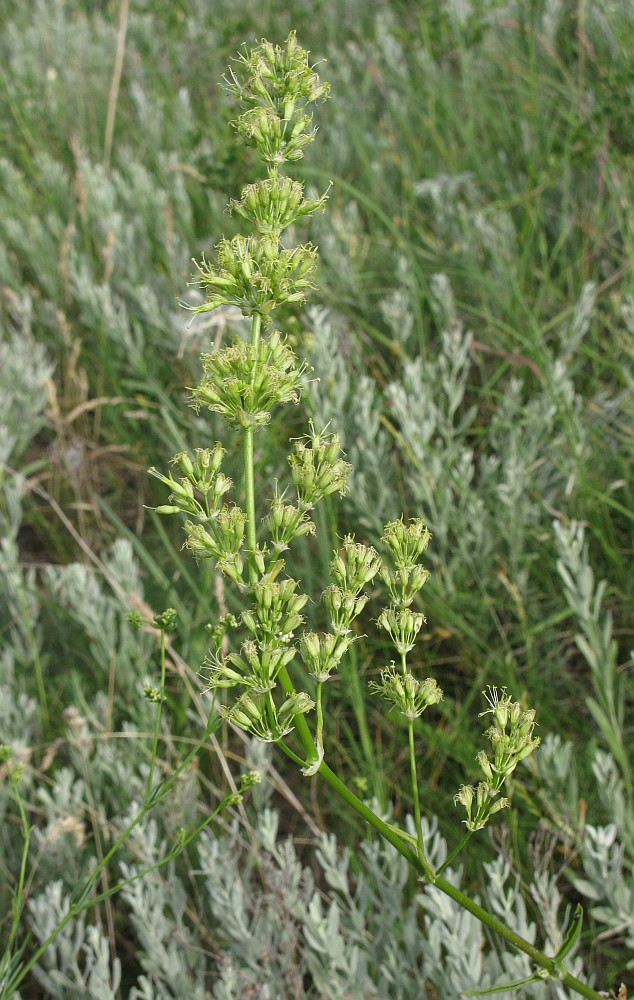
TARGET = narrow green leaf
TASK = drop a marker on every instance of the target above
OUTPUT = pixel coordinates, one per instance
(573, 934)
(503, 988)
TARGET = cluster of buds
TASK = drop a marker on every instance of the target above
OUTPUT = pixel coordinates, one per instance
(275, 203)
(405, 692)
(512, 740)
(221, 538)
(406, 544)
(274, 84)
(322, 653)
(286, 522)
(343, 606)
(403, 625)
(276, 614)
(318, 468)
(218, 529)
(244, 383)
(256, 275)
(352, 568)
(404, 578)
(254, 667)
(258, 715)
(200, 490)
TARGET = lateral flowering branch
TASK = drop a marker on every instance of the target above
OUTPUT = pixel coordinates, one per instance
(512, 740)
(404, 576)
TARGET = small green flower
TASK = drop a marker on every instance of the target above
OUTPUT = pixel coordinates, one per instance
(343, 607)
(181, 499)
(274, 203)
(257, 275)
(166, 620)
(256, 714)
(487, 803)
(287, 522)
(323, 652)
(355, 566)
(153, 694)
(244, 383)
(277, 611)
(405, 692)
(512, 740)
(135, 620)
(511, 736)
(317, 468)
(406, 542)
(274, 84)
(402, 625)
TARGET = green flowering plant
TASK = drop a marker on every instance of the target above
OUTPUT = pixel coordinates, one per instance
(274, 87)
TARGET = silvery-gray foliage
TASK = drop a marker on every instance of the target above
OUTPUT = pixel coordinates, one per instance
(481, 506)
(78, 963)
(24, 372)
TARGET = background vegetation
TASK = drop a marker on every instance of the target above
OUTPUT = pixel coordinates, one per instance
(472, 340)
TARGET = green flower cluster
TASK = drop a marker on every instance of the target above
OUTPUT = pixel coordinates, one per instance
(244, 382)
(256, 275)
(407, 693)
(512, 740)
(272, 622)
(351, 569)
(318, 468)
(274, 84)
(404, 576)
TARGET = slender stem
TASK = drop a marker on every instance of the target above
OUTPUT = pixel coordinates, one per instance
(157, 723)
(426, 871)
(414, 781)
(319, 734)
(386, 831)
(249, 476)
(18, 901)
(303, 730)
(550, 964)
(456, 851)
(413, 774)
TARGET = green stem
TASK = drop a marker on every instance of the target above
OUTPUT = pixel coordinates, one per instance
(547, 963)
(319, 734)
(18, 900)
(414, 781)
(249, 476)
(157, 723)
(426, 871)
(385, 830)
(303, 730)
(456, 851)
(414, 775)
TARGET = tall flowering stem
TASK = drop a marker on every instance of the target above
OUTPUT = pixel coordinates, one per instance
(275, 87)
(249, 476)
